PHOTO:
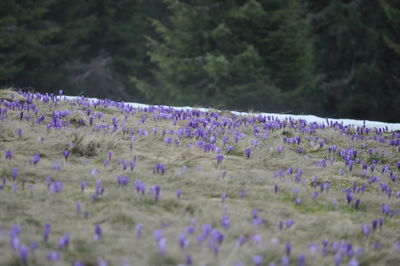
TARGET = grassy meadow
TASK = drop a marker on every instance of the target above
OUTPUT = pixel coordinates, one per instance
(102, 183)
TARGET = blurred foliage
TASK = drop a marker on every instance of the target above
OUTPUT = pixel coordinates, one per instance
(355, 66)
(241, 54)
(337, 58)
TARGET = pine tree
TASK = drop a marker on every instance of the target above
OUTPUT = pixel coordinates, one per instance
(102, 44)
(237, 53)
(351, 70)
(25, 41)
(80, 46)
(391, 37)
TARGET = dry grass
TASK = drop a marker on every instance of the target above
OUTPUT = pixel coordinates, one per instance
(202, 182)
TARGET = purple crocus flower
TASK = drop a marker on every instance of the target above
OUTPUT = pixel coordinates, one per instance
(189, 260)
(385, 209)
(36, 159)
(156, 192)
(220, 157)
(190, 229)
(334, 202)
(223, 197)
(34, 246)
(57, 187)
(138, 185)
(138, 230)
(159, 168)
(254, 213)
(289, 223)
(276, 188)
(9, 154)
(53, 256)
(315, 194)
(23, 254)
(372, 167)
(353, 262)
(14, 173)
(78, 207)
(302, 259)
(46, 232)
(225, 222)
(396, 246)
(285, 260)
(183, 241)
(357, 203)
(66, 154)
(19, 132)
(258, 221)
(178, 193)
(315, 181)
(157, 234)
(101, 262)
(248, 152)
(258, 260)
(280, 149)
(83, 185)
(110, 154)
(280, 225)
(349, 197)
(97, 233)
(15, 231)
(15, 243)
(297, 201)
(296, 191)
(132, 163)
(365, 229)
(374, 224)
(288, 248)
(56, 167)
(377, 245)
(161, 245)
(168, 140)
(48, 182)
(64, 241)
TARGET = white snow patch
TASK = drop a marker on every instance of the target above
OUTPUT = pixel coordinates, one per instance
(308, 118)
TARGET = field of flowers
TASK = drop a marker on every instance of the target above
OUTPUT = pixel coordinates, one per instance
(97, 182)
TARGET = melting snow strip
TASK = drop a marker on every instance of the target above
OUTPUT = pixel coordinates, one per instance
(307, 118)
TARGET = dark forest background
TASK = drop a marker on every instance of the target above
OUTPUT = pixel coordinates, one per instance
(336, 58)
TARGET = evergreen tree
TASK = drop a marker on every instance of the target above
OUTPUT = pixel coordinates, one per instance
(237, 53)
(102, 44)
(391, 37)
(25, 42)
(351, 70)
(80, 46)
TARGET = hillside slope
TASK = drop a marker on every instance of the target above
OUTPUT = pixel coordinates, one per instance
(101, 182)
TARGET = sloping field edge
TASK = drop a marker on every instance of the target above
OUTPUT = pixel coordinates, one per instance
(308, 118)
